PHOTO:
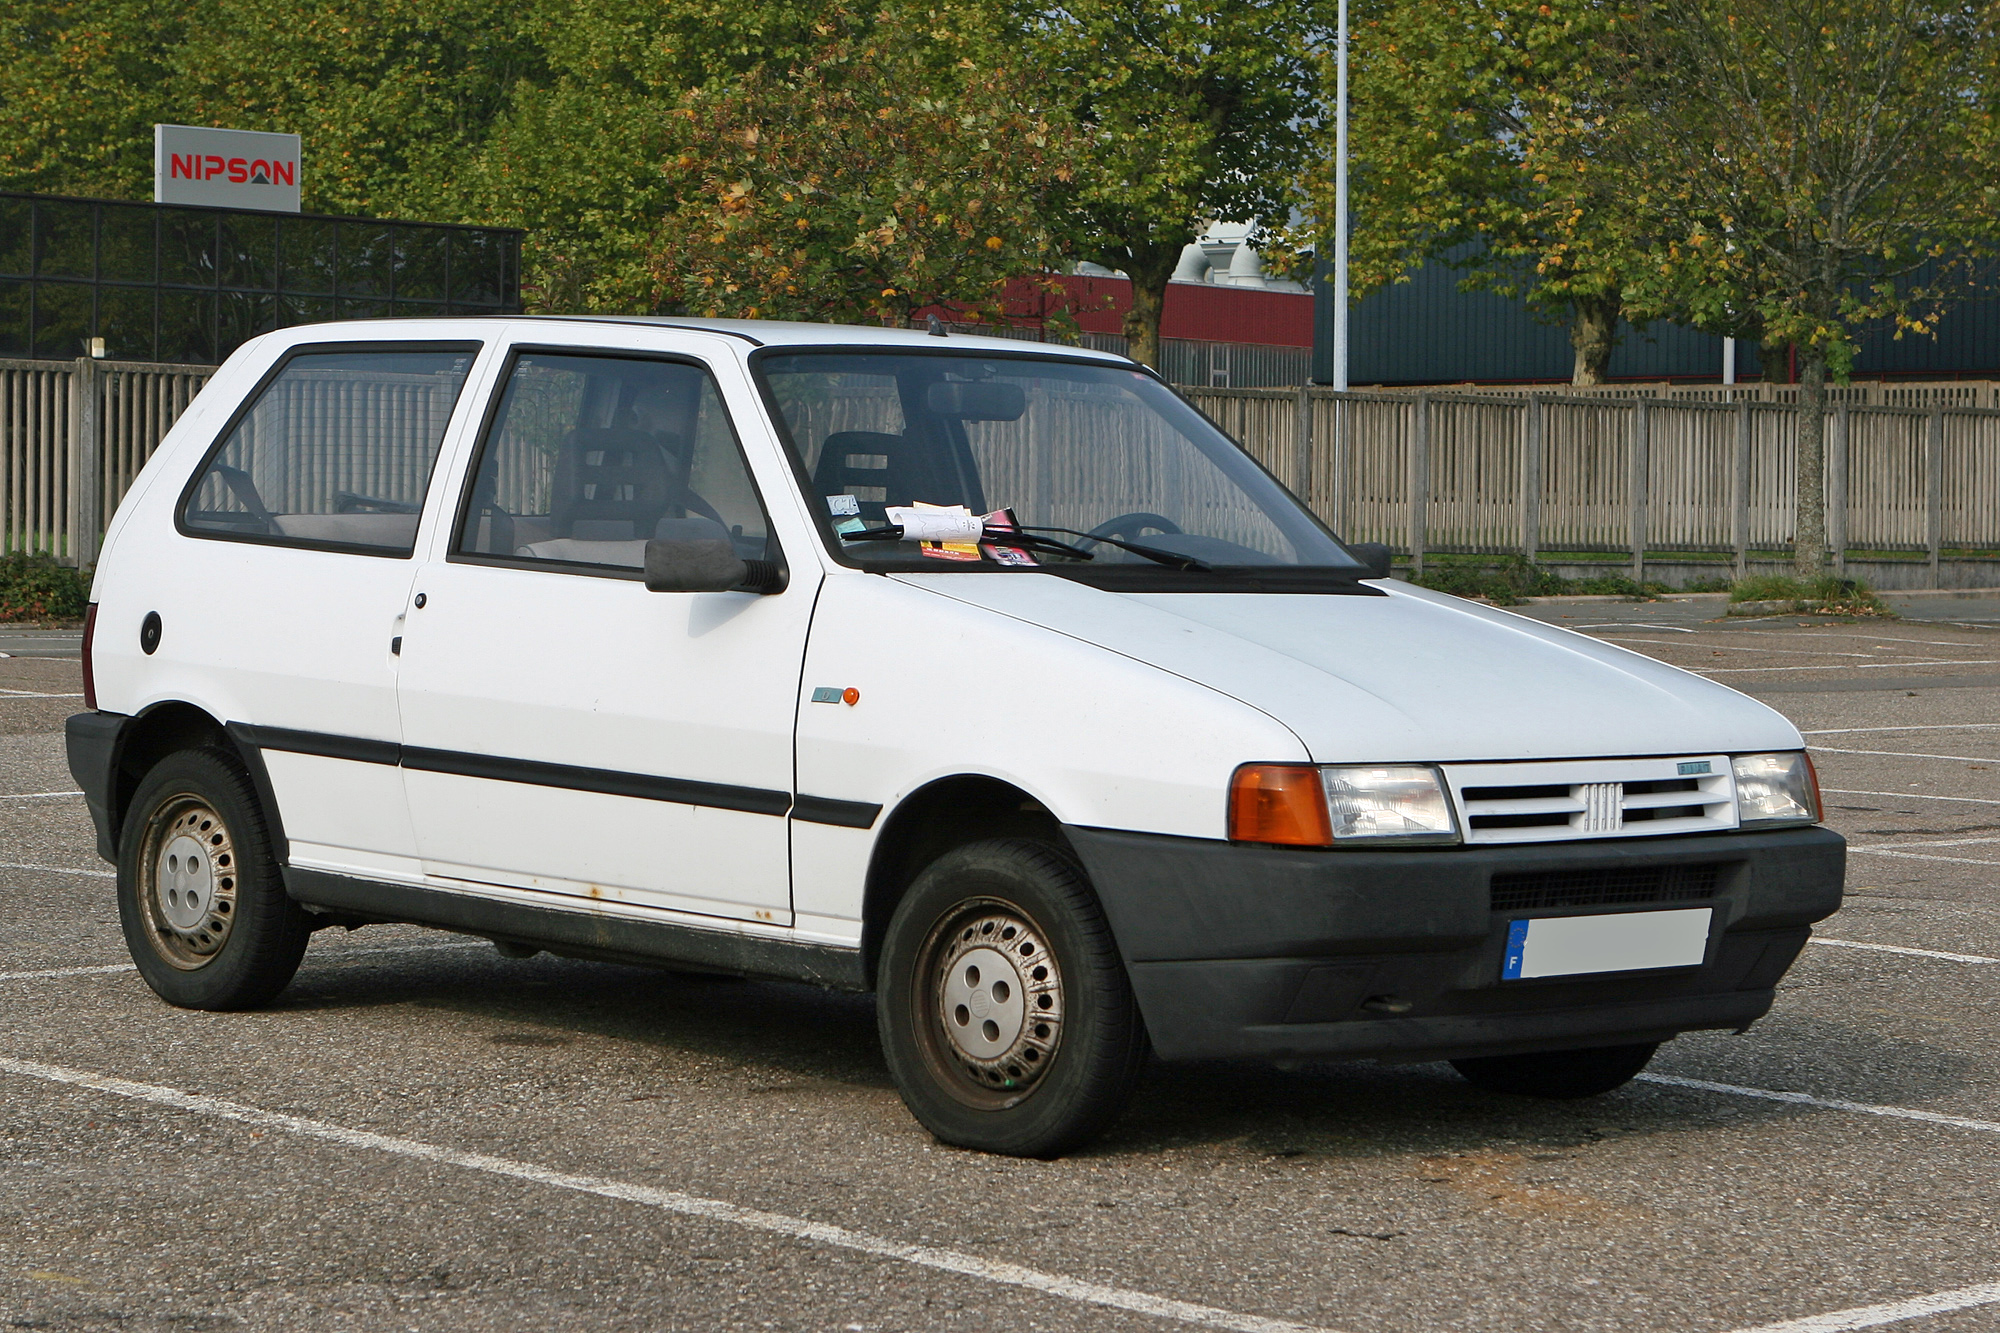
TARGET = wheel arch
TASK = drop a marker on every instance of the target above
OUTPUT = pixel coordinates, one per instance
(930, 821)
(170, 726)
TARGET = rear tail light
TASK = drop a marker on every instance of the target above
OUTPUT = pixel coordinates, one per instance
(1280, 803)
(89, 673)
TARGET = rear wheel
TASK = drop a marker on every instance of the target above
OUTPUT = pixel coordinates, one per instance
(1558, 1074)
(204, 911)
(1005, 1012)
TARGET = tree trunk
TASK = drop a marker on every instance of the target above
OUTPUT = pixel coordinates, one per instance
(1142, 317)
(1809, 553)
(1593, 335)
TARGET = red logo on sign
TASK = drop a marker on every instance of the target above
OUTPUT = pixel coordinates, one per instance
(254, 171)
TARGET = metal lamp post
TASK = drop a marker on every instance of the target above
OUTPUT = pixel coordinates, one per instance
(1340, 210)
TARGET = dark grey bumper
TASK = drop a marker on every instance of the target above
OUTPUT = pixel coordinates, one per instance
(1256, 951)
(92, 740)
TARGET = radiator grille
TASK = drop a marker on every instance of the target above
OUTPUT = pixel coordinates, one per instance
(1623, 886)
(1561, 800)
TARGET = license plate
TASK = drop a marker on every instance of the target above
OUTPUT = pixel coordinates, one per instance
(1567, 946)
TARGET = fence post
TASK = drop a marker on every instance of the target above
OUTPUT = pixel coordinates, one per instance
(86, 461)
(1740, 491)
(1531, 481)
(1302, 447)
(1837, 501)
(1343, 408)
(1420, 481)
(1642, 421)
(1934, 490)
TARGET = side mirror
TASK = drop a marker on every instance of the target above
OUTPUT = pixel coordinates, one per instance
(708, 566)
(1374, 557)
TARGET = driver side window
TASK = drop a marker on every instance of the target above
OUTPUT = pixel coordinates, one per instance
(589, 457)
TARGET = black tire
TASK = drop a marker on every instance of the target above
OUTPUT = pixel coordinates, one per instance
(1061, 1069)
(204, 909)
(1562, 1075)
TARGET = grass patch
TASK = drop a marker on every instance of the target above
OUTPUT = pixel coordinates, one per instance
(1827, 595)
(1512, 582)
(35, 587)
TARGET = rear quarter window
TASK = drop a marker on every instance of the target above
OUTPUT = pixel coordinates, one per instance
(334, 452)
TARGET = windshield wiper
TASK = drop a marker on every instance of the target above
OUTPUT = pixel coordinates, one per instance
(1172, 559)
(991, 537)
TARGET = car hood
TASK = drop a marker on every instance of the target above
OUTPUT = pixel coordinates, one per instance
(1410, 676)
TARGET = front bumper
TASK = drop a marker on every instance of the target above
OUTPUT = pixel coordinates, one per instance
(1237, 950)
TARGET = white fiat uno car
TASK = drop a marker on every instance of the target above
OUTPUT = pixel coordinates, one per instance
(987, 676)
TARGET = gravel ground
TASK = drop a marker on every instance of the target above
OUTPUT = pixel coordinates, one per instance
(422, 1134)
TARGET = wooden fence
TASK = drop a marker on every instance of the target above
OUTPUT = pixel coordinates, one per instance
(1527, 474)
(1425, 472)
(73, 435)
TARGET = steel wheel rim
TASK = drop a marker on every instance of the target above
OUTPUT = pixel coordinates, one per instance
(188, 879)
(989, 1003)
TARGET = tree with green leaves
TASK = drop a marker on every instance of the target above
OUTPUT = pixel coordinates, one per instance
(1188, 113)
(1475, 143)
(889, 172)
(82, 85)
(1808, 166)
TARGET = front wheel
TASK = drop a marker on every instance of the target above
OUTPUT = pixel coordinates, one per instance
(204, 910)
(1005, 1013)
(1562, 1075)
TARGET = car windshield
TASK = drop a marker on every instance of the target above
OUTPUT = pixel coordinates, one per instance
(918, 460)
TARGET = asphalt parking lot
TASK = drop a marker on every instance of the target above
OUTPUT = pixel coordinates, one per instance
(422, 1134)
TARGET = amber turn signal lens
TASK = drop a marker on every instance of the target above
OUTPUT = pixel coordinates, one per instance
(1282, 803)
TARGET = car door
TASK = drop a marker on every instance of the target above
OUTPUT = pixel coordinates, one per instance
(281, 605)
(568, 733)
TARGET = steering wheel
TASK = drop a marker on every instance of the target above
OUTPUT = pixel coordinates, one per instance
(1129, 527)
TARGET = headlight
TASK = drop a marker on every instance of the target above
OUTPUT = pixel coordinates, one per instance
(1775, 789)
(1303, 805)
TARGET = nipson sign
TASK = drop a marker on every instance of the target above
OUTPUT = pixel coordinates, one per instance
(225, 168)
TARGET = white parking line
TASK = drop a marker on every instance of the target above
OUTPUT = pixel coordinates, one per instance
(1908, 754)
(36, 694)
(1928, 726)
(1910, 795)
(48, 973)
(322, 956)
(1843, 666)
(1753, 648)
(1824, 1103)
(58, 870)
(673, 1201)
(1939, 842)
(1873, 638)
(1898, 948)
(34, 795)
(1874, 1316)
(1922, 856)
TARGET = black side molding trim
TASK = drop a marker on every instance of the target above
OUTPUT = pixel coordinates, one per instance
(681, 791)
(316, 742)
(841, 814)
(645, 786)
(582, 934)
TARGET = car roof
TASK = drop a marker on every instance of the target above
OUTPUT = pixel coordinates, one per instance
(781, 333)
(785, 333)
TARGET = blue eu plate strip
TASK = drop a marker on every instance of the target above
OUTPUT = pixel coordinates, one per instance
(1517, 944)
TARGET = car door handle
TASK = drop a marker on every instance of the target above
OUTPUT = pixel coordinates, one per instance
(396, 646)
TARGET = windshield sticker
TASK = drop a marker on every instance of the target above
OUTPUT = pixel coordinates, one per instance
(934, 523)
(1003, 520)
(943, 532)
(840, 505)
